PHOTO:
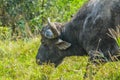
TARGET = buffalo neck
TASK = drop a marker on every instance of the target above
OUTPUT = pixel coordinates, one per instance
(69, 34)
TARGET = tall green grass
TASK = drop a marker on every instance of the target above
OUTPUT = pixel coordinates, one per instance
(17, 62)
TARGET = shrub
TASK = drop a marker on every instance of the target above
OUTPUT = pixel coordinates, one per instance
(5, 33)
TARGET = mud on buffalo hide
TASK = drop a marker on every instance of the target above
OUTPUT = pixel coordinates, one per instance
(86, 33)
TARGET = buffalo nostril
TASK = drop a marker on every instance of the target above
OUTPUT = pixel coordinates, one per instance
(38, 61)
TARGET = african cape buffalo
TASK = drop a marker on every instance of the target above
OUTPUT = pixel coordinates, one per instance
(85, 34)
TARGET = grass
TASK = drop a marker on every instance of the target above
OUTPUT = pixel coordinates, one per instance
(115, 34)
(17, 62)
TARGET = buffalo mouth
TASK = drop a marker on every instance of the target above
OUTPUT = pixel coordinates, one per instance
(38, 62)
(56, 63)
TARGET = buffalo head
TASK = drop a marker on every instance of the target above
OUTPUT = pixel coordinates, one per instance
(52, 46)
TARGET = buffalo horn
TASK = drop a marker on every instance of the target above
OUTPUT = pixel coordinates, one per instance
(53, 28)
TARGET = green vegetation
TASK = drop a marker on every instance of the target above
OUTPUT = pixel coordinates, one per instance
(17, 62)
(19, 42)
(26, 17)
(5, 33)
(115, 34)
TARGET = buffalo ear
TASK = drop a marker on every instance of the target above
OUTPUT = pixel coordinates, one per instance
(63, 45)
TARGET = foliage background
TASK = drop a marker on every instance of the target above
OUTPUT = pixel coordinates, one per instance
(26, 17)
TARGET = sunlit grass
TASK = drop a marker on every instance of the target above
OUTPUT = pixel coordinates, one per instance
(17, 62)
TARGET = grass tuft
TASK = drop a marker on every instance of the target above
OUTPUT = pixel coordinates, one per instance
(17, 62)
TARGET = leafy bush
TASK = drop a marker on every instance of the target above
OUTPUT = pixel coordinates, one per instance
(5, 33)
(34, 13)
(61, 10)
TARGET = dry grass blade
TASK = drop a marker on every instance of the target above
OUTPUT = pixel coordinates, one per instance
(115, 34)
